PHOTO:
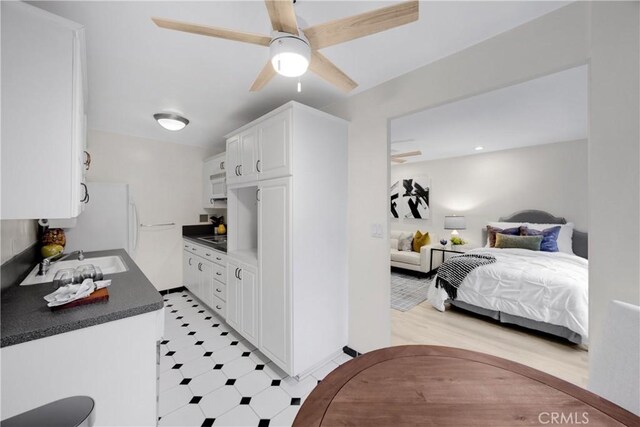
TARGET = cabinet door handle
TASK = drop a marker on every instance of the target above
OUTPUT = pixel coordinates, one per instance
(258, 166)
(239, 274)
(200, 266)
(218, 307)
(211, 201)
(193, 248)
(221, 165)
(87, 160)
(218, 258)
(189, 261)
(258, 194)
(240, 170)
(236, 274)
(208, 254)
(237, 173)
(218, 290)
(85, 198)
(218, 273)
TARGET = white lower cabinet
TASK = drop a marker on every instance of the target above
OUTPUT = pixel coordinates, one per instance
(243, 296)
(275, 266)
(206, 279)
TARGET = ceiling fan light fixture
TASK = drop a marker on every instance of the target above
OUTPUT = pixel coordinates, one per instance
(171, 121)
(290, 55)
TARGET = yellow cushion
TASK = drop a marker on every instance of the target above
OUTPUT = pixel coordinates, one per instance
(419, 240)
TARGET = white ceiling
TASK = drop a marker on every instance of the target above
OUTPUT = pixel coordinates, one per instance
(136, 69)
(541, 111)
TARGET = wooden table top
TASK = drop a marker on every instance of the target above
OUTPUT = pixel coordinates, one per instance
(444, 386)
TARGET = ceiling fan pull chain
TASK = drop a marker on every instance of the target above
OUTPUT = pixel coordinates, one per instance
(299, 85)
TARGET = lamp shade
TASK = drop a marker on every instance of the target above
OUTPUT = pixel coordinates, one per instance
(454, 223)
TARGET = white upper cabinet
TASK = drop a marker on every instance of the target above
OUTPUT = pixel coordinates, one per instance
(242, 156)
(274, 146)
(261, 151)
(43, 114)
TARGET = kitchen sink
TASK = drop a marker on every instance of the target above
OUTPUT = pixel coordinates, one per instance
(108, 265)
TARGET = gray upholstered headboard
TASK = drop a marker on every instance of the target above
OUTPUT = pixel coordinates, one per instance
(580, 238)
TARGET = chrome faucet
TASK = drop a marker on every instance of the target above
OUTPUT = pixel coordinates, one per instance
(46, 263)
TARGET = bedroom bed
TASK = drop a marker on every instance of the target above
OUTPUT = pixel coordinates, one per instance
(543, 291)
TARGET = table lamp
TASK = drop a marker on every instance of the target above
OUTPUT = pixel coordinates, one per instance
(454, 223)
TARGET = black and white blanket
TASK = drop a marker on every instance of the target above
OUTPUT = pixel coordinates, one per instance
(453, 271)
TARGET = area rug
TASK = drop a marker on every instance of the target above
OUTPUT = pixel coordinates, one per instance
(408, 290)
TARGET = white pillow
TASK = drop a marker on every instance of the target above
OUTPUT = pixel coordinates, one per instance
(405, 242)
(565, 237)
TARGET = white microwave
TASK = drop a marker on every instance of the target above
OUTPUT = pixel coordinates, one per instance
(218, 186)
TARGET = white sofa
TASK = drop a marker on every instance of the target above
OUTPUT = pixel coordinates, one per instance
(409, 260)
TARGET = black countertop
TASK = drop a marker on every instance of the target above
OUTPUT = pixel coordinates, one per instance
(25, 315)
(196, 233)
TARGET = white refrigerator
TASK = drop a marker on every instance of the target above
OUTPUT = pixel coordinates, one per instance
(109, 220)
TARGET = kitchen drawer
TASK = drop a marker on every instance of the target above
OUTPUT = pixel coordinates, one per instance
(217, 257)
(220, 272)
(219, 306)
(220, 290)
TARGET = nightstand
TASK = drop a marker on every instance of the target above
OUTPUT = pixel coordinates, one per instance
(444, 251)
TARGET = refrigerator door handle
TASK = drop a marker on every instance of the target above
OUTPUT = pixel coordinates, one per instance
(136, 226)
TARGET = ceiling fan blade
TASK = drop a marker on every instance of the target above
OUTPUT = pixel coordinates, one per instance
(205, 30)
(407, 154)
(353, 27)
(397, 160)
(327, 70)
(282, 15)
(265, 76)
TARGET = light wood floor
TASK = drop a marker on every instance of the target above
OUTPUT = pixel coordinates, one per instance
(456, 328)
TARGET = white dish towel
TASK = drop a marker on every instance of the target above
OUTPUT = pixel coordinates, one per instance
(66, 294)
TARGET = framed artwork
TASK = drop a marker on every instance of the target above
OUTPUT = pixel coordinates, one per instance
(395, 200)
(415, 198)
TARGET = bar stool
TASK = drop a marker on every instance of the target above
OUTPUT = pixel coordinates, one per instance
(76, 411)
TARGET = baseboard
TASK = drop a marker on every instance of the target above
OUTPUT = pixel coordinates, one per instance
(350, 352)
(172, 290)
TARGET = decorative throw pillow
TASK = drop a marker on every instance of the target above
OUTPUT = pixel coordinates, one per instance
(404, 242)
(549, 237)
(491, 233)
(419, 240)
(505, 241)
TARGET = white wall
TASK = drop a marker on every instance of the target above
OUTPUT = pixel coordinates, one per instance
(484, 187)
(16, 235)
(604, 34)
(554, 42)
(614, 162)
(166, 182)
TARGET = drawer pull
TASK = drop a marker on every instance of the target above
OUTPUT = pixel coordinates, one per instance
(218, 307)
(218, 290)
(218, 273)
(208, 254)
(218, 258)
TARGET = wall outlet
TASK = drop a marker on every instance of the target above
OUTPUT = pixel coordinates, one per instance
(377, 231)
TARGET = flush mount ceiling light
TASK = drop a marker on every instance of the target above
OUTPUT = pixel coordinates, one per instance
(171, 121)
(289, 54)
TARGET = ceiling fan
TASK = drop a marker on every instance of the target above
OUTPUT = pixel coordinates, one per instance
(399, 158)
(293, 50)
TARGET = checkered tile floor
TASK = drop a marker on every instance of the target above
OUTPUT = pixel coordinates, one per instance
(211, 376)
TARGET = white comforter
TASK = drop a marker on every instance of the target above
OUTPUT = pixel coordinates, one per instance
(550, 287)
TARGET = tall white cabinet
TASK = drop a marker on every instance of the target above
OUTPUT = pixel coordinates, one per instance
(43, 114)
(287, 236)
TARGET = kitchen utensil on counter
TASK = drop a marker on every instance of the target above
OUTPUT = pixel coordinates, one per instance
(63, 277)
